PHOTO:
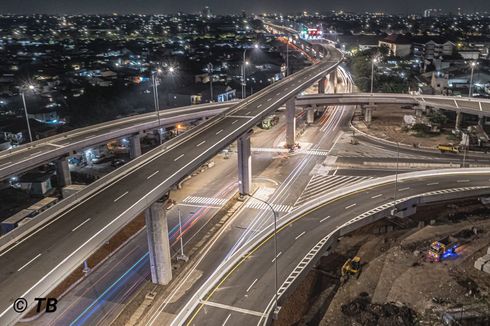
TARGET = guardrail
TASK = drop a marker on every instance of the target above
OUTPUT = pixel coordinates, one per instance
(241, 253)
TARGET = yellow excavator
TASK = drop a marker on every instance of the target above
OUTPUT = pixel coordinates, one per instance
(352, 266)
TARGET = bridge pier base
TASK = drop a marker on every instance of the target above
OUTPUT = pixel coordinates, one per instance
(244, 164)
(134, 146)
(310, 115)
(459, 119)
(333, 80)
(368, 113)
(321, 85)
(290, 123)
(158, 244)
(63, 172)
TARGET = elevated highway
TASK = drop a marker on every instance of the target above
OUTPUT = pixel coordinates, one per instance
(241, 291)
(36, 261)
(475, 106)
(28, 156)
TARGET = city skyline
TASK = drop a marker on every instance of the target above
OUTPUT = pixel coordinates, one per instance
(226, 7)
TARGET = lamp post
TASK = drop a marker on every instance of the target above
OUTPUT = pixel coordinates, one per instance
(372, 73)
(182, 256)
(210, 73)
(156, 99)
(393, 212)
(22, 95)
(473, 65)
(244, 63)
(276, 306)
(287, 57)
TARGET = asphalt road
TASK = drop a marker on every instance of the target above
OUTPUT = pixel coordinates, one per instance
(28, 156)
(243, 295)
(34, 265)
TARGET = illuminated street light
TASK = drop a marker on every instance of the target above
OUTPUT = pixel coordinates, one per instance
(156, 99)
(244, 63)
(472, 65)
(375, 60)
(29, 87)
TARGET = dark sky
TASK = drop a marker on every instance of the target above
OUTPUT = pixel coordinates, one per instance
(234, 6)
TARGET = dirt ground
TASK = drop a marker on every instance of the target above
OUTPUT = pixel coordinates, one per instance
(398, 284)
(387, 124)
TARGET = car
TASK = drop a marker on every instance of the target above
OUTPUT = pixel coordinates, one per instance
(117, 163)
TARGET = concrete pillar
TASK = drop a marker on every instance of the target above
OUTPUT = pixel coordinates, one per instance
(368, 114)
(459, 118)
(310, 115)
(481, 120)
(158, 244)
(134, 146)
(321, 86)
(244, 164)
(63, 172)
(333, 81)
(290, 123)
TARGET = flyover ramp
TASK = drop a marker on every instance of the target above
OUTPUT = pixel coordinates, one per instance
(476, 106)
(28, 156)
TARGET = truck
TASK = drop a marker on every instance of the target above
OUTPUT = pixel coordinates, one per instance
(269, 121)
(443, 248)
(448, 148)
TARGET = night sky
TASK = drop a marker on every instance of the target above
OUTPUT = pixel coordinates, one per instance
(233, 6)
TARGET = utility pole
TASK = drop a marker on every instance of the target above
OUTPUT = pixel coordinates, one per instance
(181, 256)
(210, 73)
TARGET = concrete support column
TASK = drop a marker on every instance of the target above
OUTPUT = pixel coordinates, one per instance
(244, 164)
(63, 172)
(459, 118)
(321, 85)
(134, 146)
(158, 244)
(290, 123)
(481, 120)
(368, 114)
(310, 115)
(333, 81)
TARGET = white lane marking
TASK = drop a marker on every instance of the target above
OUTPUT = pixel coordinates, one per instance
(323, 219)
(377, 196)
(248, 289)
(5, 163)
(79, 225)
(232, 308)
(433, 183)
(153, 174)
(234, 122)
(178, 158)
(274, 259)
(300, 235)
(115, 200)
(219, 132)
(403, 189)
(200, 143)
(35, 153)
(226, 320)
(269, 99)
(258, 106)
(335, 172)
(463, 181)
(347, 207)
(279, 93)
(30, 261)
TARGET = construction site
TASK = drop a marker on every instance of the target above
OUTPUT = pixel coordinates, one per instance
(430, 269)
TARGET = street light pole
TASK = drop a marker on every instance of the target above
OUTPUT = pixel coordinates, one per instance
(373, 61)
(473, 64)
(157, 104)
(244, 81)
(210, 72)
(181, 256)
(393, 212)
(276, 306)
(22, 95)
(287, 57)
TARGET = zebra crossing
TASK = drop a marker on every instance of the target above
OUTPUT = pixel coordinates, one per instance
(256, 204)
(318, 152)
(204, 201)
(321, 184)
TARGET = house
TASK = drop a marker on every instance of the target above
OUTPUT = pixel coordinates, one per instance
(399, 45)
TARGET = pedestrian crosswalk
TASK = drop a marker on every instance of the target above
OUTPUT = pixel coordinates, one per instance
(319, 152)
(321, 184)
(257, 204)
(204, 201)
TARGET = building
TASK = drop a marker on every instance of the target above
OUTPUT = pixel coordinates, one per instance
(399, 45)
(430, 48)
(439, 83)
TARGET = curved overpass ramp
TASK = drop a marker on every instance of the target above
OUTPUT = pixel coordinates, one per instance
(28, 156)
(476, 106)
(68, 233)
(242, 288)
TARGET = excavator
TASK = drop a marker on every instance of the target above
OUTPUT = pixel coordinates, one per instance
(352, 266)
